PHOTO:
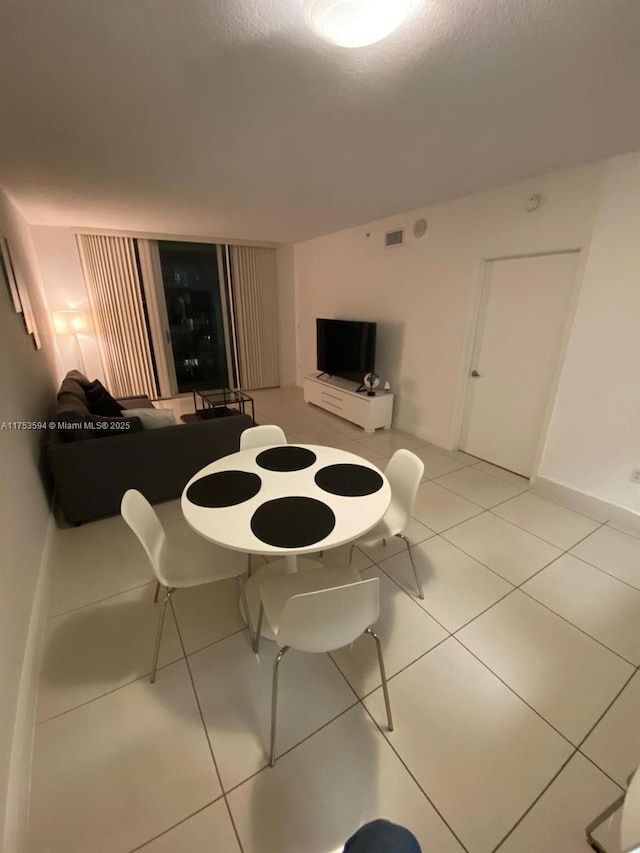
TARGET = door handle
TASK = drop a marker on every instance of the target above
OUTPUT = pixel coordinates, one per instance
(475, 374)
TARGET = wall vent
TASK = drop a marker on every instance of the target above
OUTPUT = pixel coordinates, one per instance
(394, 238)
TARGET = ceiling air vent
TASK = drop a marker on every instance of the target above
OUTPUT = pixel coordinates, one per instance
(394, 238)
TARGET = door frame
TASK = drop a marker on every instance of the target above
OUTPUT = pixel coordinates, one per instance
(473, 342)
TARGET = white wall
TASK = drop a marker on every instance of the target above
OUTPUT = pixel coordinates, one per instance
(64, 287)
(423, 295)
(27, 393)
(594, 437)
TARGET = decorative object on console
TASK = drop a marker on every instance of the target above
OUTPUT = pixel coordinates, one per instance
(371, 382)
(71, 322)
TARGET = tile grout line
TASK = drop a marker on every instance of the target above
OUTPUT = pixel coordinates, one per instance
(576, 748)
(206, 732)
(573, 754)
(382, 732)
(541, 603)
(140, 677)
(515, 587)
(108, 692)
(540, 795)
(178, 823)
(100, 600)
(517, 695)
(266, 767)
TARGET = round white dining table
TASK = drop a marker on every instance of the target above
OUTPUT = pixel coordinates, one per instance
(285, 501)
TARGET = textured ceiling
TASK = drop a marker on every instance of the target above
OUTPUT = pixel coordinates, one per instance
(229, 118)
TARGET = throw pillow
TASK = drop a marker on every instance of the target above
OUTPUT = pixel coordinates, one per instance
(152, 418)
(78, 377)
(100, 400)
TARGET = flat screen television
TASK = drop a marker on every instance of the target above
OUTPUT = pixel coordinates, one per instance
(346, 348)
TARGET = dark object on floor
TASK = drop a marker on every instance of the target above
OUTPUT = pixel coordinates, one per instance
(92, 475)
(382, 836)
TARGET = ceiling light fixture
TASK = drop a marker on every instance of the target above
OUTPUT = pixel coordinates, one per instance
(355, 23)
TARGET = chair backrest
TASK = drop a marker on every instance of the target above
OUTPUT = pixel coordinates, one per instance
(404, 473)
(142, 519)
(261, 436)
(329, 618)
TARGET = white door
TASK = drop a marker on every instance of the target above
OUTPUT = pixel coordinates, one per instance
(521, 327)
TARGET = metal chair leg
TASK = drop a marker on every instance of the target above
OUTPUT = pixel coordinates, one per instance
(413, 565)
(274, 703)
(157, 592)
(245, 607)
(383, 676)
(351, 550)
(156, 651)
(257, 633)
(384, 542)
(249, 569)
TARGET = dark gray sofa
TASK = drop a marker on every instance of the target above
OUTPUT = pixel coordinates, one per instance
(91, 475)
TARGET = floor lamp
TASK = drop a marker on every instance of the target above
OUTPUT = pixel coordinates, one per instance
(72, 322)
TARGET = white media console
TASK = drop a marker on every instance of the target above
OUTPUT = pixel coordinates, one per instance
(339, 396)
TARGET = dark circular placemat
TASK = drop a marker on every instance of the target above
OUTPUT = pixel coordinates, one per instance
(225, 488)
(293, 522)
(288, 458)
(350, 481)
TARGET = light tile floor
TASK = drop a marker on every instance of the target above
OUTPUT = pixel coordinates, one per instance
(514, 684)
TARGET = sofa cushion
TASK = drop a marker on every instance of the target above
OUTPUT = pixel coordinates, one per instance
(152, 418)
(100, 400)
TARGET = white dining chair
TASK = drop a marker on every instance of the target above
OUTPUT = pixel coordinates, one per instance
(318, 611)
(182, 561)
(404, 473)
(261, 436)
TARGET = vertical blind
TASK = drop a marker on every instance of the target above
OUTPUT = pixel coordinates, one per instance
(255, 302)
(115, 295)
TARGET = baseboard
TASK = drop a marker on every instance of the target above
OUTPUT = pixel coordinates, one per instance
(595, 508)
(425, 435)
(19, 783)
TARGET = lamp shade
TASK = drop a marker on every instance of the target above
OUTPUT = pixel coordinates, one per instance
(630, 826)
(355, 23)
(69, 322)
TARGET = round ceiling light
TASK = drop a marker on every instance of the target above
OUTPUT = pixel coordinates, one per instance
(355, 23)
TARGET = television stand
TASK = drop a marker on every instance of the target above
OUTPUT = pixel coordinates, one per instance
(340, 397)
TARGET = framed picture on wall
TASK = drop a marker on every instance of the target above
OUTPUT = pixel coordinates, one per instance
(6, 269)
(19, 296)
